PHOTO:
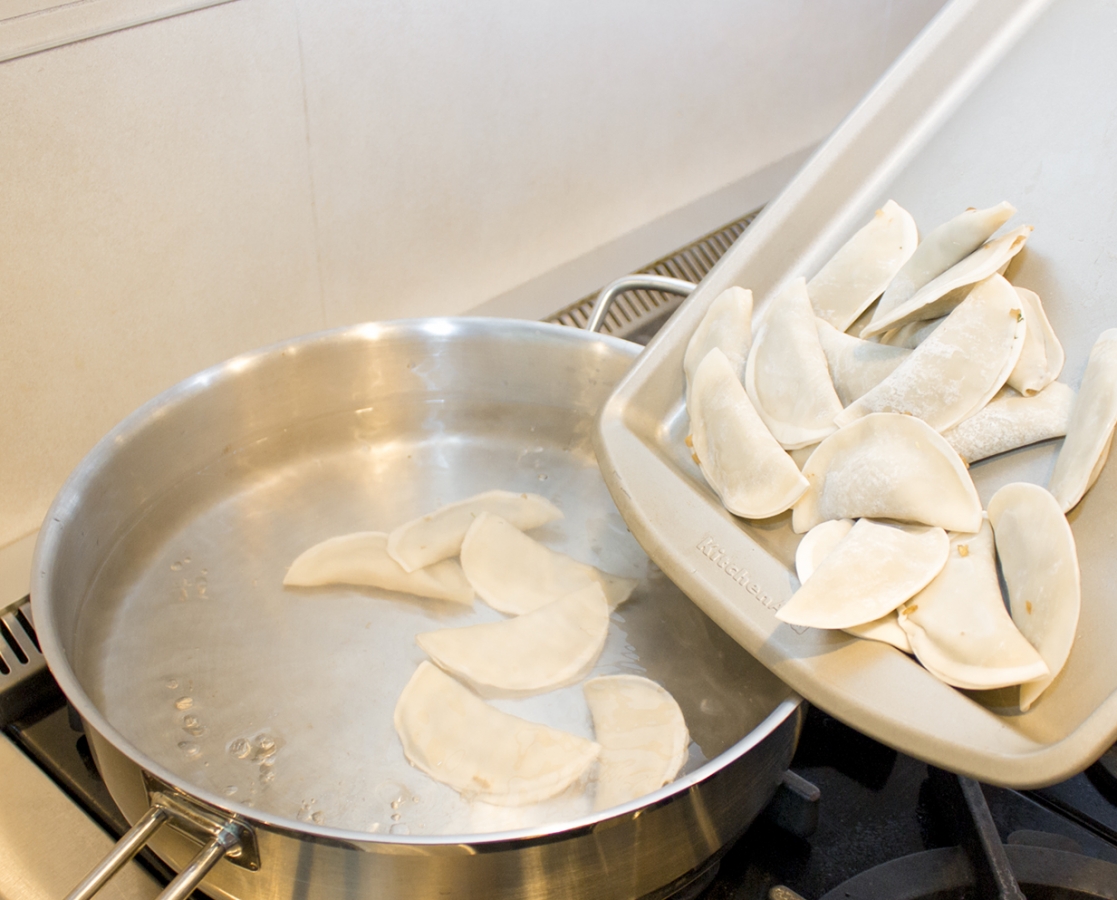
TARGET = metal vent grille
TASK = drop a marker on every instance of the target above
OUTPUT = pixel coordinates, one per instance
(637, 315)
(23, 671)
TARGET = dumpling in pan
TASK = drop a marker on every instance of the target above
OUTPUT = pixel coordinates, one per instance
(888, 466)
(1041, 358)
(1009, 421)
(1040, 567)
(862, 268)
(886, 629)
(515, 574)
(726, 325)
(1090, 430)
(738, 456)
(786, 376)
(958, 625)
(857, 366)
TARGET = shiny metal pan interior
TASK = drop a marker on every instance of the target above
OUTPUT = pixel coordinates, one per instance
(994, 101)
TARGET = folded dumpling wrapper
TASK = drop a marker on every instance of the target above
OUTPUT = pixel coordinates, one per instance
(460, 740)
(857, 366)
(888, 466)
(1090, 430)
(1009, 421)
(1040, 567)
(546, 648)
(911, 335)
(438, 535)
(941, 295)
(942, 248)
(361, 558)
(515, 574)
(1042, 357)
(863, 267)
(642, 734)
(737, 454)
(726, 325)
(816, 545)
(959, 367)
(886, 629)
(786, 376)
(871, 571)
(959, 628)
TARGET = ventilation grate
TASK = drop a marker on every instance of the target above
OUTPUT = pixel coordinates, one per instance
(23, 671)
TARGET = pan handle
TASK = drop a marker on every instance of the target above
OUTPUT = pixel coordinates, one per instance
(633, 283)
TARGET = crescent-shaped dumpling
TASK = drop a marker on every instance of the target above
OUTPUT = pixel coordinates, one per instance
(816, 545)
(888, 466)
(886, 629)
(438, 535)
(786, 375)
(642, 734)
(862, 268)
(945, 246)
(871, 571)
(911, 335)
(541, 650)
(959, 628)
(959, 367)
(1040, 567)
(857, 366)
(362, 559)
(1042, 357)
(515, 574)
(737, 454)
(726, 325)
(1009, 421)
(1090, 430)
(455, 737)
(945, 292)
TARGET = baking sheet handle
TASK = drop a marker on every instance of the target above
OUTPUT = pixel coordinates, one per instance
(633, 283)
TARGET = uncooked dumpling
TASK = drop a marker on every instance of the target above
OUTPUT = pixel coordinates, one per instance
(871, 571)
(642, 734)
(886, 630)
(857, 366)
(726, 325)
(1009, 421)
(786, 376)
(1041, 358)
(888, 466)
(945, 246)
(515, 574)
(438, 535)
(1090, 431)
(911, 335)
(958, 625)
(538, 651)
(862, 268)
(455, 737)
(1040, 567)
(362, 558)
(945, 292)
(816, 545)
(738, 456)
(959, 367)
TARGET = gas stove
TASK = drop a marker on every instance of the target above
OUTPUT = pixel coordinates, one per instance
(852, 819)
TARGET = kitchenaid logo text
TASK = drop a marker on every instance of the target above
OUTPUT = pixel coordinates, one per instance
(716, 554)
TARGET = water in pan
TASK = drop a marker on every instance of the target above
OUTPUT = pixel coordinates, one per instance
(281, 699)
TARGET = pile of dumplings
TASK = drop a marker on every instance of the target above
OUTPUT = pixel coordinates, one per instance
(558, 618)
(859, 404)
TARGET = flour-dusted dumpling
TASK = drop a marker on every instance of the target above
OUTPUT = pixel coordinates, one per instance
(642, 734)
(959, 628)
(888, 466)
(911, 335)
(945, 246)
(1042, 357)
(455, 737)
(862, 268)
(547, 648)
(727, 325)
(738, 456)
(786, 376)
(438, 535)
(1090, 430)
(515, 574)
(945, 292)
(959, 367)
(1040, 567)
(362, 559)
(886, 630)
(857, 366)
(871, 571)
(816, 545)
(1009, 421)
